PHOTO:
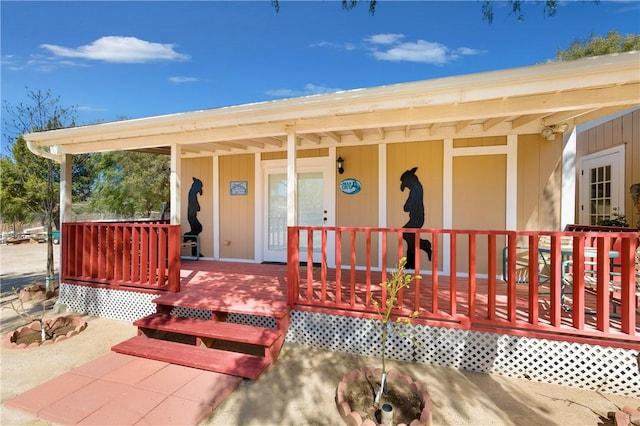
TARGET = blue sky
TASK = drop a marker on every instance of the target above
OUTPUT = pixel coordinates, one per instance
(137, 59)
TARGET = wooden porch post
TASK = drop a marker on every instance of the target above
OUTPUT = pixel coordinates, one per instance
(292, 180)
(65, 188)
(293, 244)
(174, 184)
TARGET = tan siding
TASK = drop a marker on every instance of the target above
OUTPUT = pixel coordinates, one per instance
(631, 136)
(479, 202)
(237, 212)
(361, 209)
(201, 168)
(305, 153)
(428, 157)
(624, 130)
(479, 142)
(539, 183)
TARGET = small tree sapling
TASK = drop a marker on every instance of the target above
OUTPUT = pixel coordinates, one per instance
(399, 280)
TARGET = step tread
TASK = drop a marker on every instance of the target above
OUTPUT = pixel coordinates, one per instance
(212, 329)
(276, 309)
(237, 364)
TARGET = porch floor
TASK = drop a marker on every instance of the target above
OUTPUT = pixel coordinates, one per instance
(261, 288)
(248, 288)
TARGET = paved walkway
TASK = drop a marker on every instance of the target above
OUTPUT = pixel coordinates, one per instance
(118, 389)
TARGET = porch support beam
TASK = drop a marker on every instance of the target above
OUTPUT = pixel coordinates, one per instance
(292, 181)
(569, 151)
(511, 214)
(174, 184)
(66, 165)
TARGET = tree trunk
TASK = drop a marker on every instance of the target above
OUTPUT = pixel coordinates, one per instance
(50, 280)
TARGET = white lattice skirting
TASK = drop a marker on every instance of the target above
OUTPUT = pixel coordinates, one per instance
(589, 367)
(106, 303)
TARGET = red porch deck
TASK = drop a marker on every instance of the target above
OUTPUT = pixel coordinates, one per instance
(253, 288)
(248, 288)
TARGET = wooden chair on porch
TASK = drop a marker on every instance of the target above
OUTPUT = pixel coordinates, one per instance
(191, 242)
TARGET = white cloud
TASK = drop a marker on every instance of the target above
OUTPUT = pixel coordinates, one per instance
(309, 89)
(415, 51)
(395, 48)
(384, 38)
(468, 51)
(39, 62)
(180, 80)
(328, 44)
(90, 108)
(119, 50)
(419, 51)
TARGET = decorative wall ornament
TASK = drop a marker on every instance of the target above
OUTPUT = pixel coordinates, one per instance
(238, 187)
(193, 208)
(350, 186)
(415, 207)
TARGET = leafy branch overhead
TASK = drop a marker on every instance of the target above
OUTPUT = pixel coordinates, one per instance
(488, 14)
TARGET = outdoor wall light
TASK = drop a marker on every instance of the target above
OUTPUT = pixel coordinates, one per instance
(549, 132)
(340, 164)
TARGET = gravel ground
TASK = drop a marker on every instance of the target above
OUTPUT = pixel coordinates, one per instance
(300, 388)
(23, 264)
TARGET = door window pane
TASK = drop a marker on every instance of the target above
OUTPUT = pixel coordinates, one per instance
(277, 219)
(600, 192)
(310, 209)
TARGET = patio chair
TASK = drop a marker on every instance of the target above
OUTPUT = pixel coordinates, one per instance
(522, 265)
(591, 284)
(191, 242)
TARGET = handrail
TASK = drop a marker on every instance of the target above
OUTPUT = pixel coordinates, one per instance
(133, 255)
(470, 260)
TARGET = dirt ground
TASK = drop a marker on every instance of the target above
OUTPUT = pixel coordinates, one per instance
(300, 388)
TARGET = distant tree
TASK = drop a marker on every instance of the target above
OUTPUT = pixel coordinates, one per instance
(515, 7)
(130, 183)
(597, 45)
(14, 206)
(30, 179)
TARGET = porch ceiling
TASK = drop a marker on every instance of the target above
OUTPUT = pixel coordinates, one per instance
(517, 101)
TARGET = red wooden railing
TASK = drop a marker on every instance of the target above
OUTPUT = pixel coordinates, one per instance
(467, 290)
(142, 255)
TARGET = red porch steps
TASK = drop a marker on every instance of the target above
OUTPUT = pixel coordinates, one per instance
(213, 345)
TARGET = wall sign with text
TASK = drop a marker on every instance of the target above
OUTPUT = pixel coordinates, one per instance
(238, 187)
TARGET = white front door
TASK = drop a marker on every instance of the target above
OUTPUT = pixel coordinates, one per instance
(602, 185)
(316, 206)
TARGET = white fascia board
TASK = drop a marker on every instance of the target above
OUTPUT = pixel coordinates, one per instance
(545, 78)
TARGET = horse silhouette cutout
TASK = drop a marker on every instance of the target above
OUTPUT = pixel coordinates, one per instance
(415, 207)
(193, 207)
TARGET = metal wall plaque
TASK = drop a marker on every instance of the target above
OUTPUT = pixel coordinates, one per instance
(350, 186)
(238, 187)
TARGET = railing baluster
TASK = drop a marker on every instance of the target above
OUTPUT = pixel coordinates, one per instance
(492, 290)
(472, 276)
(453, 274)
(534, 278)
(309, 265)
(367, 300)
(352, 275)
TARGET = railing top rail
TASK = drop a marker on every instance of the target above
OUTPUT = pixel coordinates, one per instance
(622, 233)
(100, 223)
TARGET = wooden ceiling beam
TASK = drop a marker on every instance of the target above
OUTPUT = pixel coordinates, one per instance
(526, 119)
(461, 125)
(333, 136)
(492, 122)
